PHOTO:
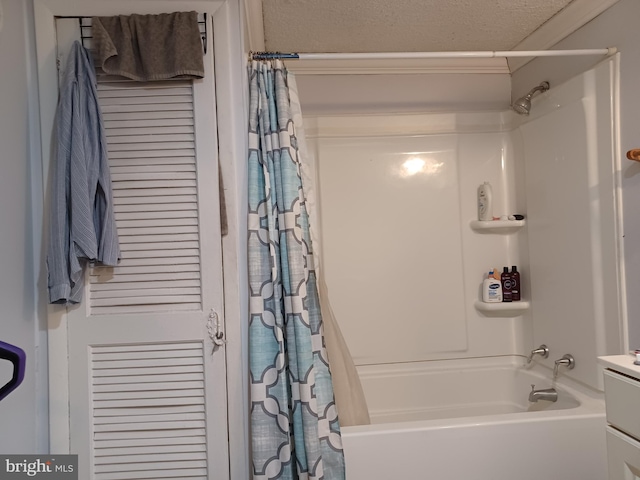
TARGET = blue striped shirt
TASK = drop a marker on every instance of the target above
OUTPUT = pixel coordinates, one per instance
(81, 224)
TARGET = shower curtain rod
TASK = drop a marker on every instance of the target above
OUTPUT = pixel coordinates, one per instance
(413, 55)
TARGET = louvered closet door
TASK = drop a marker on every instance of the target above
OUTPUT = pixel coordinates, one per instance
(147, 390)
(151, 140)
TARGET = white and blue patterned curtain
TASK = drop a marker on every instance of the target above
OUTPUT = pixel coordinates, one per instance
(294, 422)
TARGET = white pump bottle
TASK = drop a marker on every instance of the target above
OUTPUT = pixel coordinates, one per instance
(485, 202)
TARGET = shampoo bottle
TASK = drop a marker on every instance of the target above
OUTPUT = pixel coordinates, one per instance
(515, 284)
(485, 205)
(506, 285)
(491, 289)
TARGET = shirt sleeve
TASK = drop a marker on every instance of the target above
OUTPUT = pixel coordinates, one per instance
(58, 252)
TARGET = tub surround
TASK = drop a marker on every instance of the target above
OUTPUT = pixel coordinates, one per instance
(572, 226)
(369, 202)
(404, 255)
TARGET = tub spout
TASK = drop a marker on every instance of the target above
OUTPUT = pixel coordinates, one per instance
(545, 394)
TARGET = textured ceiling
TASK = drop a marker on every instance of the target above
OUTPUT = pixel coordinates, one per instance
(402, 25)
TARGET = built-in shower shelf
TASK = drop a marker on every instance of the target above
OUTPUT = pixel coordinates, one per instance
(497, 226)
(503, 309)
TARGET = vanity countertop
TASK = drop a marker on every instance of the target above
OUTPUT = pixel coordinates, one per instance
(621, 363)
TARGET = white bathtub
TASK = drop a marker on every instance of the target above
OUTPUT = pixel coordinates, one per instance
(471, 420)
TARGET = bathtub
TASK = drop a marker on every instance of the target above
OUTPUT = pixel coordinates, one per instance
(471, 419)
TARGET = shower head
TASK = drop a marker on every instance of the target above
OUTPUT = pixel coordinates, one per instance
(523, 104)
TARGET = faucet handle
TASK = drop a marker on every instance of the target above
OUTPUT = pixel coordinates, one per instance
(533, 386)
(542, 350)
(567, 360)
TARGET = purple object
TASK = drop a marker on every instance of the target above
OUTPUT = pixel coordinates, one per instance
(16, 356)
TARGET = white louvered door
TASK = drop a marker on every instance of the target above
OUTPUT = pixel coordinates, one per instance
(149, 415)
(151, 137)
(147, 388)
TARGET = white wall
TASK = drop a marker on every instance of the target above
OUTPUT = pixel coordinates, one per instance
(616, 27)
(23, 413)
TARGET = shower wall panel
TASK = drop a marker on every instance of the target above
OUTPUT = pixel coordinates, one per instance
(392, 244)
(403, 267)
(571, 184)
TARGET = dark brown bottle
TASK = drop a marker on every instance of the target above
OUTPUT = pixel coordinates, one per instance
(515, 284)
(505, 279)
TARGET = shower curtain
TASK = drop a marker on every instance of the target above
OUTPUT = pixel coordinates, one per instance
(294, 422)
